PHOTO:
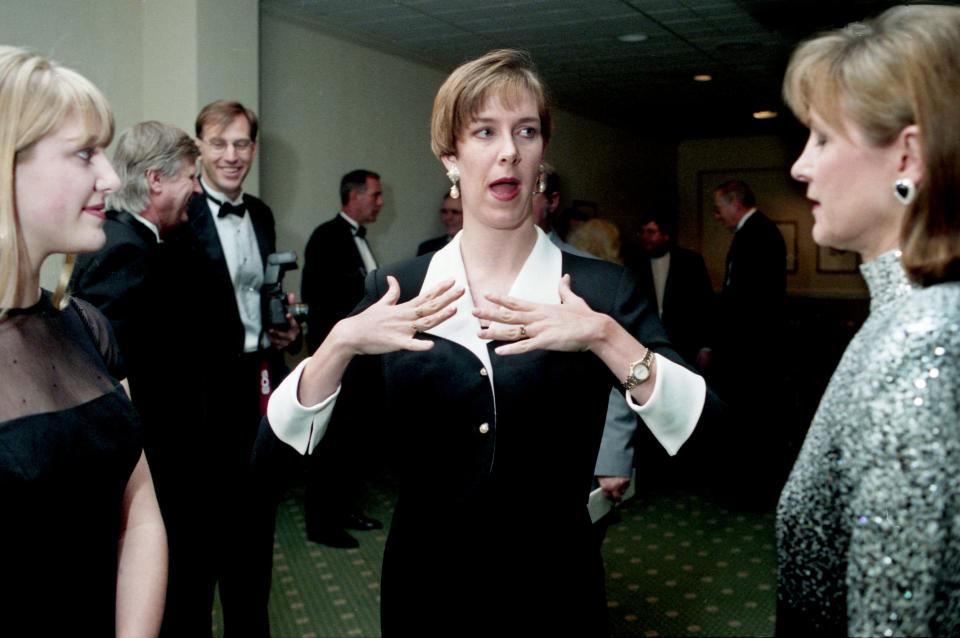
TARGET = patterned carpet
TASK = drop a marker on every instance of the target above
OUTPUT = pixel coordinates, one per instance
(680, 565)
(677, 564)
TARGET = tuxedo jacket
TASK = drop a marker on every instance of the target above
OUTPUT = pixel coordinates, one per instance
(118, 278)
(333, 274)
(138, 284)
(688, 300)
(143, 287)
(432, 244)
(213, 275)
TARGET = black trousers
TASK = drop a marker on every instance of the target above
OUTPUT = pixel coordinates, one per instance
(220, 517)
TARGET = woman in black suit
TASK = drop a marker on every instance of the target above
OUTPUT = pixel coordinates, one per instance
(496, 356)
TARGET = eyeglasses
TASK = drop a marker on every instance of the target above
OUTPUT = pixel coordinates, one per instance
(219, 145)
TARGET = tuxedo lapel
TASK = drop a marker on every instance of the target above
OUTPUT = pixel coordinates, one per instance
(140, 230)
(259, 227)
(349, 245)
(201, 220)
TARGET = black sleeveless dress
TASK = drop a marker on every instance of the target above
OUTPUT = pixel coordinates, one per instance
(69, 440)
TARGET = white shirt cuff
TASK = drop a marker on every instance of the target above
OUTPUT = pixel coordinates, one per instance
(673, 409)
(298, 426)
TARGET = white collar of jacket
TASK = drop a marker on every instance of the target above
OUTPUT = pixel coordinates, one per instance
(538, 282)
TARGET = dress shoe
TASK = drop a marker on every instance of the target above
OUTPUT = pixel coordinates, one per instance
(362, 522)
(334, 537)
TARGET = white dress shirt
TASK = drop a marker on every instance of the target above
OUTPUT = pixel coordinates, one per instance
(369, 263)
(660, 268)
(242, 254)
(149, 224)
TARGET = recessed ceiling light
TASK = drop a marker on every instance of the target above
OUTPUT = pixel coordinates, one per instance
(702, 77)
(632, 37)
(765, 115)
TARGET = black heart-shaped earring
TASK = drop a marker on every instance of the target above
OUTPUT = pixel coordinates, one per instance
(905, 191)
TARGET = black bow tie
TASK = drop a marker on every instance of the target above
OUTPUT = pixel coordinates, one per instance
(227, 208)
(361, 232)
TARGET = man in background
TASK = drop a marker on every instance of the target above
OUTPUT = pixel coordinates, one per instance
(336, 261)
(451, 217)
(745, 368)
(677, 279)
(242, 359)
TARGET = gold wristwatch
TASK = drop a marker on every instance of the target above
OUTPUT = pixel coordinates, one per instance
(639, 371)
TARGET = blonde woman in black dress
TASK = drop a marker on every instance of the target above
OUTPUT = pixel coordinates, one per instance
(83, 544)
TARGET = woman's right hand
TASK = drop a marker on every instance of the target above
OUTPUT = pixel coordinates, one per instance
(387, 326)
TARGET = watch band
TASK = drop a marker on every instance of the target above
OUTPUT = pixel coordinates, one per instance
(631, 380)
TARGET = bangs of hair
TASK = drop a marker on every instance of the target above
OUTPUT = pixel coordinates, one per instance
(510, 88)
(506, 74)
(54, 93)
(812, 83)
(90, 106)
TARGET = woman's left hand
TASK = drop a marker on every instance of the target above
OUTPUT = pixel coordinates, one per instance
(570, 326)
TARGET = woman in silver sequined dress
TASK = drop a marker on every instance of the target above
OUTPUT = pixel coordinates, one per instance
(868, 525)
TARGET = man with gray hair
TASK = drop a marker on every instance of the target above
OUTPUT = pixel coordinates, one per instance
(142, 282)
(156, 164)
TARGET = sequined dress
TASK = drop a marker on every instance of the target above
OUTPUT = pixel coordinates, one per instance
(69, 440)
(868, 524)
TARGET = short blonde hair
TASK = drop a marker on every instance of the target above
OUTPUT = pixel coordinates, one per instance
(36, 96)
(506, 73)
(599, 237)
(884, 75)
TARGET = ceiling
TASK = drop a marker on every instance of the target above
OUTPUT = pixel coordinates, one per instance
(647, 86)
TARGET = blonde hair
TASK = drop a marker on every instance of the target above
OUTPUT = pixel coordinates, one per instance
(884, 75)
(507, 73)
(599, 237)
(36, 96)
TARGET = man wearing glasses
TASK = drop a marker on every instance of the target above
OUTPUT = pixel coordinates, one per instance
(232, 233)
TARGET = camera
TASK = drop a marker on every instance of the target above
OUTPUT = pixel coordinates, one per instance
(273, 300)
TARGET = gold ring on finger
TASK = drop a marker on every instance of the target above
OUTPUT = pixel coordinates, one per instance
(523, 332)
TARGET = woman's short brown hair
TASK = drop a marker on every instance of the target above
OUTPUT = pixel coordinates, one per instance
(506, 73)
(885, 74)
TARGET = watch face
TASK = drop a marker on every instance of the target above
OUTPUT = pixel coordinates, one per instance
(640, 372)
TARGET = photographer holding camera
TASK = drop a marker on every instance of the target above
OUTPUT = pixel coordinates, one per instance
(240, 361)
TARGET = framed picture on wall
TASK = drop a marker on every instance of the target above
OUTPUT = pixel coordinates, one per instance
(831, 260)
(789, 232)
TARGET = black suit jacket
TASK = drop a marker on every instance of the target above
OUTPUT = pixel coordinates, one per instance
(751, 305)
(432, 244)
(333, 274)
(688, 300)
(755, 284)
